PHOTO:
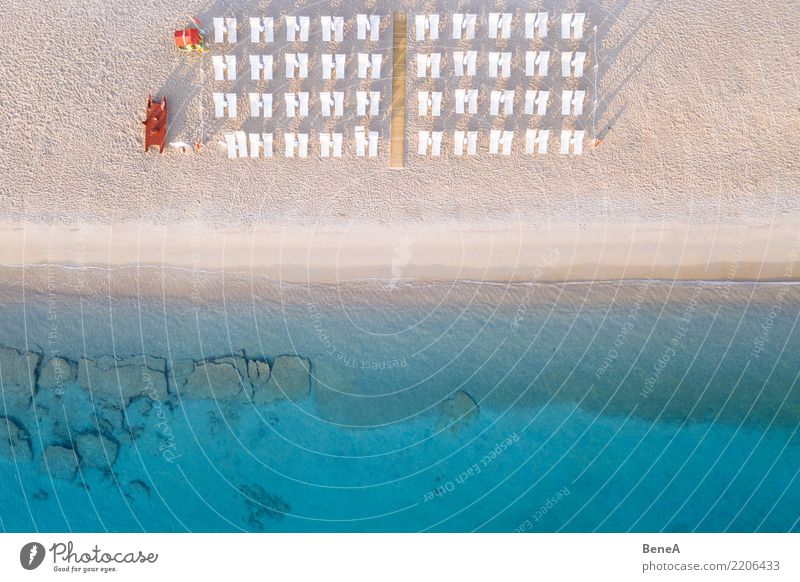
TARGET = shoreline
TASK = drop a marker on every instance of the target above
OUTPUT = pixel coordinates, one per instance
(555, 253)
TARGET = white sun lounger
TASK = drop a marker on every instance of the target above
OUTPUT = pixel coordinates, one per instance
(368, 24)
(296, 63)
(469, 139)
(499, 65)
(430, 140)
(368, 103)
(536, 25)
(465, 62)
(427, 25)
(371, 63)
(497, 137)
(464, 26)
(331, 64)
(222, 27)
(536, 139)
(428, 63)
(224, 67)
(570, 61)
(366, 143)
(260, 67)
(223, 102)
(330, 144)
(295, 143)
(260, 143)
(500, 25)
(297, 28)
(468, 97)
(260, 104)
(572, 24)
(572, 102)
(572, 138)
(504, 98)
(536, 102)
(236, 143)
(296, 104)
(332, 103)
(262, 26)
(536, 63)
(429, 103)
(332, 28)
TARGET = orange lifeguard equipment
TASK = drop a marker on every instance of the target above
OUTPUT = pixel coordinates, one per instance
(189, 39)
(155, 125)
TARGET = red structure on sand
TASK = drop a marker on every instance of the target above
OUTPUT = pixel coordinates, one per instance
(155, 125)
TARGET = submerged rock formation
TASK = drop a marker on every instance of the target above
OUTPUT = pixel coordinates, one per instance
(19, 375)
(219, 379)
(96, 451)
(60, 462)
(457, 410)
(120, 380)
(57, 373)
(290, 379)
(15, 442)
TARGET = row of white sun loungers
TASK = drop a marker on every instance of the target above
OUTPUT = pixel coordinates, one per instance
(426, 26)
(256, 145)
(429, 65)
(429, 103)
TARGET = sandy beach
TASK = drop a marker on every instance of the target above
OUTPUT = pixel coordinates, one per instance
(696, 177)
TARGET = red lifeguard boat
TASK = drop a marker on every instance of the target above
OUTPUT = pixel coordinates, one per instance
(155, 124)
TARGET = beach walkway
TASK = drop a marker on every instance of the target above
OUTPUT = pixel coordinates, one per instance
(398, 127)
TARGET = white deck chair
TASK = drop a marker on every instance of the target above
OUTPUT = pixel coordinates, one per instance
(260, 104)
(368, 101)
(429, 63)
(297, 27)
(368, 24)
(468, 139)
(296, 104)
(331, 64)
(297, 62)
(429, 103)
(572, 24)
(222, 27)
(498, 137)
(260, 67)
(236, 143)
(536, 25)
(572, 102)
(260, 143)
(223, 102)
(330, 144)
(500, 25)
(464, 26)
(536, 102)
(504, 98)
(371, 63)
(295, 143)
(332, 28)
(430, 140)
(465, 62)
(468, 97)
(262, 26)
(572, 138)
(427, 25)
(366, 143)
(537, 63)
(332, 103)
(499, 65)
(536, 139)
(224, 67)
(570, 61)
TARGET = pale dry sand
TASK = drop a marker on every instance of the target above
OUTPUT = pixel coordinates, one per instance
(696, 179)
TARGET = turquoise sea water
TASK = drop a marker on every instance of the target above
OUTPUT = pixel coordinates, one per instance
(616, 407)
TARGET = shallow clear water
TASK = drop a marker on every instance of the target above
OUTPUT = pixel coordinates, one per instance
(636, 407)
